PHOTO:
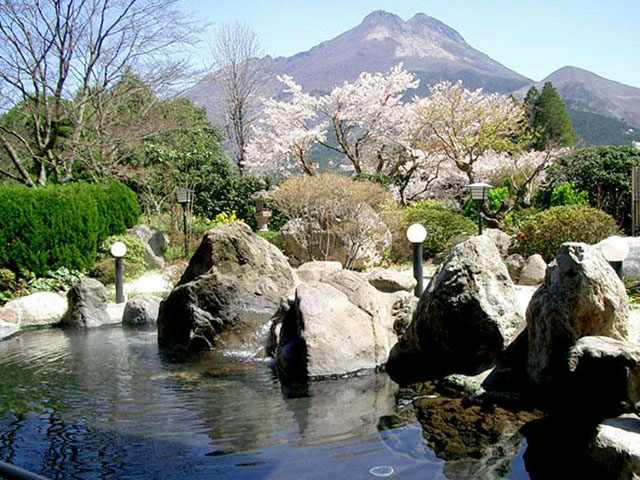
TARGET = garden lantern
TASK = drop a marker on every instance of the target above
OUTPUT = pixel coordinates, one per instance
(184, 197)
(262, 212)
(615, 249)
(479, 193)
(416, 235)
(119, 250)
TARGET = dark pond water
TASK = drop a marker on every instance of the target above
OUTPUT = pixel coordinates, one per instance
(104, 404)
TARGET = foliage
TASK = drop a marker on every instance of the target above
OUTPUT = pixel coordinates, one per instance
(441, 222)
(497, 196)
(368, 123)
(61, 226)
(566, 194)
(59, 280)
(549, 119)
(334, 207)
(604, 173)
(133, 263)
(199, 225)
(546, 231)
(62, 64)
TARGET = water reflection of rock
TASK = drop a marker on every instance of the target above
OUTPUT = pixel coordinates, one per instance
(474, 440)
(341, 409)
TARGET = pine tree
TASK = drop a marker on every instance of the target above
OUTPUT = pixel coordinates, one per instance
(530, 104)
(550, 120)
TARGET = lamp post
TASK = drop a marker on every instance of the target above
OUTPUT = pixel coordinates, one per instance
(416, 234)
(479, 193)
(615, 249)
(183, 197)
(118, 250)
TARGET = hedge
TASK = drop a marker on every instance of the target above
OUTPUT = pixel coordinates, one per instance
(58, 226)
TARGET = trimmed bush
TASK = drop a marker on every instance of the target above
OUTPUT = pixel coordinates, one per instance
(441, 222)
(546, 231)
(57, 226)
(133, 263)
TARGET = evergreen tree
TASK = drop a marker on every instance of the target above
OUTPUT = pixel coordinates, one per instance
(550, 120)
(530, 101)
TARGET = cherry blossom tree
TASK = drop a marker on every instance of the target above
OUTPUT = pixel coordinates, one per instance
(462, 124)
(286, 132)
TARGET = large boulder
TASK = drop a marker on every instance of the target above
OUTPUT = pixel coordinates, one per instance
(87, 305)
(317, 270)
(8, 324)
(303, 241)
(229, 291)
(155, 243)
(390, 280)
(501, 239)
(615, 450)
(141, 310)
(533, 271)
(39, 309)
(466, 317)
(607, 373)
(340, 326)
(581, 296)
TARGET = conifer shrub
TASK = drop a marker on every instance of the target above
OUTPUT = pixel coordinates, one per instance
(546, 231)
(58, 226)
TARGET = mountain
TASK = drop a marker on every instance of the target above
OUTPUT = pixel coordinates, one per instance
(601, 110)
(426, 46)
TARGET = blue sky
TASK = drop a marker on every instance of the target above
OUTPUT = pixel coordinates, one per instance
(532, 38)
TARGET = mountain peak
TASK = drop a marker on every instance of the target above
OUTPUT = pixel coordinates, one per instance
(381, 16)
(421, 22)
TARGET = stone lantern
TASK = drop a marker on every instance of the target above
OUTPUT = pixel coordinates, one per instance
(262, 212)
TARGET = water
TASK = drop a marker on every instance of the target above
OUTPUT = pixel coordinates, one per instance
(104, 404)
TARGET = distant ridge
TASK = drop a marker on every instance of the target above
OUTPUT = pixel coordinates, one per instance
(602, 110)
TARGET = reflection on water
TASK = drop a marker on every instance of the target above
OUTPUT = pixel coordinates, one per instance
(103, 404)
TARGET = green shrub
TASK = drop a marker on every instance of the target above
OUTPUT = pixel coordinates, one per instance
(566, 194)
(441, 222)
(546, 231)
(47, 228)
(496, 197)
(58, 280)
(133, 263)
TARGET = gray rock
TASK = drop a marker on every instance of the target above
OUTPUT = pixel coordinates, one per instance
(87, 305)
(317, 270)
(514, 264)
(8, 315)
(533, 270)
(607, 372)
(402, 310)
(156, 243)
(157, 240)
(39, 309)
(7, 329)
(296, 241)
(615, 450)
(389, 280)
(229, 291)
(501, 239)
(335, 328)
(465, 318)
(581, 296)
(142, 310)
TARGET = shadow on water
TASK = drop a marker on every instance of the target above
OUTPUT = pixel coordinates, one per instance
(105, 404)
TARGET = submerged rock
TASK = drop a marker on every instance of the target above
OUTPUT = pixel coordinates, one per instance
(337, 327)
(229, 291)
(607, 373)
(142, 310)
(581, 296)
(465, 318)
(615, 450)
